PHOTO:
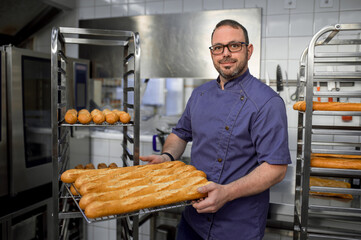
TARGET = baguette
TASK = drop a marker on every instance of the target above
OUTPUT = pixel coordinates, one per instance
(71, 116)
(322, 182)
(341, 163)
(103, 208)
(138, 190)
(328, 106)
(328, 155)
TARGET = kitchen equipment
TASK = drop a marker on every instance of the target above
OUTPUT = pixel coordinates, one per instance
(29, 123)
(279, 79)
(324, 217)
(4, 188)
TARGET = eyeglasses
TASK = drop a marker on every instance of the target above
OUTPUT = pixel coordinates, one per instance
(232, 47)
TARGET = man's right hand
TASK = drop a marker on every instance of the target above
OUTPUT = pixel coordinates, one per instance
(154, 159)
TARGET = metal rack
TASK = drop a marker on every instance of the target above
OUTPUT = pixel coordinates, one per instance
(332, 57)
(127, 227)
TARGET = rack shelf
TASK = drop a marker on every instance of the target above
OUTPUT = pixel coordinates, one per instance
(320, 217)
(61, 86)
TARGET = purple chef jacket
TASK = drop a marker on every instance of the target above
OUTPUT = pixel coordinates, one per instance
(233, 131)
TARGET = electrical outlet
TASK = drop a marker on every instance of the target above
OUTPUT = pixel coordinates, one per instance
(326, 3)
(289, 4)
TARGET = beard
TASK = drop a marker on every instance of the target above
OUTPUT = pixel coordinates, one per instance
(229, 75)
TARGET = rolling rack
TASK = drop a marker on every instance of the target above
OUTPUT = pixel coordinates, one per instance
(128, 225)
(333, 55)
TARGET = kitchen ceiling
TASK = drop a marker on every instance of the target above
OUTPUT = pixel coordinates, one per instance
(20, 19)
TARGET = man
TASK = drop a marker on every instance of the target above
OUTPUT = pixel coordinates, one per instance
(238, 127)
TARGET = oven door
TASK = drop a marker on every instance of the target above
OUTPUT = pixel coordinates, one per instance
(29, 116)
(4, 188)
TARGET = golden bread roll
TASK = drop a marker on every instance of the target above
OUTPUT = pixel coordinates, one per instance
(79, 166)
(116, 115)
(97, 116)
(89, 166)
(118, 112)
(84, 116)
(102, 165)
(125, 118)
(322, 182)
(104, 208)
(71, 116)
(113, 165)
(110, 117)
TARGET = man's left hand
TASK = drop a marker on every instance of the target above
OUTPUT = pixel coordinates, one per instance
(217, 197)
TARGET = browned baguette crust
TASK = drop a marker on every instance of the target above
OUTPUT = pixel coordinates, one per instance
(322, 182)
(328, 106)
(342, 163)
(69, 176)
(138, 190)
(103, 208)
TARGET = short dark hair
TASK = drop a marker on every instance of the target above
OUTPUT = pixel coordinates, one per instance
(234, 24)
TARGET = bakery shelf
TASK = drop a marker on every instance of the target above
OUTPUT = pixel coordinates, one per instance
(131, 214)
(333, 172)
(324, 217)
(62, 86)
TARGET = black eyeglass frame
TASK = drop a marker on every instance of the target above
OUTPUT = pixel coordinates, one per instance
(227, 45)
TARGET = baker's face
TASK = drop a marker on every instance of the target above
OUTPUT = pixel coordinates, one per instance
(230, 64)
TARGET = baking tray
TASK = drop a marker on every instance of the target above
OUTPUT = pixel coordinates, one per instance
(110, 217)
(92, 124)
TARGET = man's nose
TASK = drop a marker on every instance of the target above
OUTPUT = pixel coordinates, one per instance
(226, 51)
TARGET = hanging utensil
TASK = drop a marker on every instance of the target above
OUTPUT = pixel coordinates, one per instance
(279, 79)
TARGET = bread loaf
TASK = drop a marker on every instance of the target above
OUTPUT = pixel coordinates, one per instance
(126, 205)
(71, 116)
(84, 116)
(322, 182)
(328, 106)
(342, 163)
(139, 190)
(328, 155)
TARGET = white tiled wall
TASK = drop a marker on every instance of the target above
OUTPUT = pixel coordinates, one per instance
(286, 31)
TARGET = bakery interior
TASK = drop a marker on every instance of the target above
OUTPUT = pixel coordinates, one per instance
(145, 57)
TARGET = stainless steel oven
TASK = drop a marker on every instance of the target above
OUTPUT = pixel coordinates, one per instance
(28, 83)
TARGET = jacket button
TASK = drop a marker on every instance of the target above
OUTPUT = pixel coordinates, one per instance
(242, 97)
(227, 128)
(219, 159)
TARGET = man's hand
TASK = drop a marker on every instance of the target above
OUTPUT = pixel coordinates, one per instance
(154, 159)
(217, 197)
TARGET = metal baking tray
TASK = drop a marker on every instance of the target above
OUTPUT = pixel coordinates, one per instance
(92, 124)
(110, 217)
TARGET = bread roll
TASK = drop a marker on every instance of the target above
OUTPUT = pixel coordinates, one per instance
(116, 115)
(113, 165)
(84, 116)
(126, 205)
(118, 112)
(98, 116)
(125, 118)
(102, 165)
(89, 166)
(71, 116)
(110, 117)
(322, 182)
(79, 166)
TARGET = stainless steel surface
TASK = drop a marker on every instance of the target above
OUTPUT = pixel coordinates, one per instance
(326, 217)
(175, 45)
(128, 63)
(23, 177)
(4, 186)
